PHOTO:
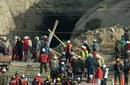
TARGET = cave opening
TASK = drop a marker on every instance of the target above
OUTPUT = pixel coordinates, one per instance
(65, 26)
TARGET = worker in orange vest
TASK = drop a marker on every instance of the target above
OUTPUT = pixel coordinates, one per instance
(24, 80)
(38, 80)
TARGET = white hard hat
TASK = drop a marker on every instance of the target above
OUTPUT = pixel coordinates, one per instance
(95, 40)
(4, 69)
(84, 47)
(23, 76)
(68, 41)
(26, 37)
(79, 56)
(78, 79)
(16, 37)
(38, 74)
(104, 66)
(55, 57)
(62, 63)
(127, 42)
(43, 50)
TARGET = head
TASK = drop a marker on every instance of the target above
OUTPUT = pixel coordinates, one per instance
(37, 38)
(23, 76)
(118, 60)
(83, 47)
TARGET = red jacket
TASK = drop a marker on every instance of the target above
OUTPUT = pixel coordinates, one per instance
(39, 80)
(25, 44)
(44, 58)
(99, 73)
(13, 82)
(24, 82)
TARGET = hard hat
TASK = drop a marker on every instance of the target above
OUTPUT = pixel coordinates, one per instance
(85, 42)
(43, 50)
(127, 42)
(16, 37)
(68, 41)
(83, 47)
(38, 74)
(118, 59)
(55, 57)
(58, 79)
(95, 40)
(104, 66)
(23, 76)
(62, 63)
(78, 79)
(26, 37)
(4, 69)
(79, 56)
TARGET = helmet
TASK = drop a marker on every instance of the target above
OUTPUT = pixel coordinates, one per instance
(58, 79)
(43, 50)
(38, 74)
(83, 47)
(68, 41)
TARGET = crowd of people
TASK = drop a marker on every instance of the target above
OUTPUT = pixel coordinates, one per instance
(71, 67)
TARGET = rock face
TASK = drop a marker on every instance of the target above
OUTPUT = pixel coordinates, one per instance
(104, 36)
(6, 19)
(107, 13)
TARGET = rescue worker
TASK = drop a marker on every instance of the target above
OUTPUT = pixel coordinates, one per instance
(117, 49)
(43, 61)
(90, 65)
(18, 79)
(24, 80)
(43, 42)
(69, 47)
(126, 70)
(85, 43)
(13, 81)
(118, 68)
(105, 74)
(26, 47)
(84, 53)
(95, 48)
(58, 81)
(38, 80)
(54, 67)
(37, 48)
(99, 75)
(48, 81)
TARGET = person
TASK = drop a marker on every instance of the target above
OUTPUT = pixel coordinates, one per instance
(47, 81)
(95, 48)
(43, 61)
(19, 49)
(126, 70)
(58, 81)
(117, 49)
(118, 67)
(69, 48)
(38, 80)
(90, 65)
(85, 43)
(18, 79)
(84, 53)
(13, 81)
(79, 68)
(24, 80)
(26, 48)
(105, 74)
(54, 67)
(43, 42)
(36, 48)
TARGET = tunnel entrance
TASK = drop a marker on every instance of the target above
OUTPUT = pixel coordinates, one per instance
(65, 26)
